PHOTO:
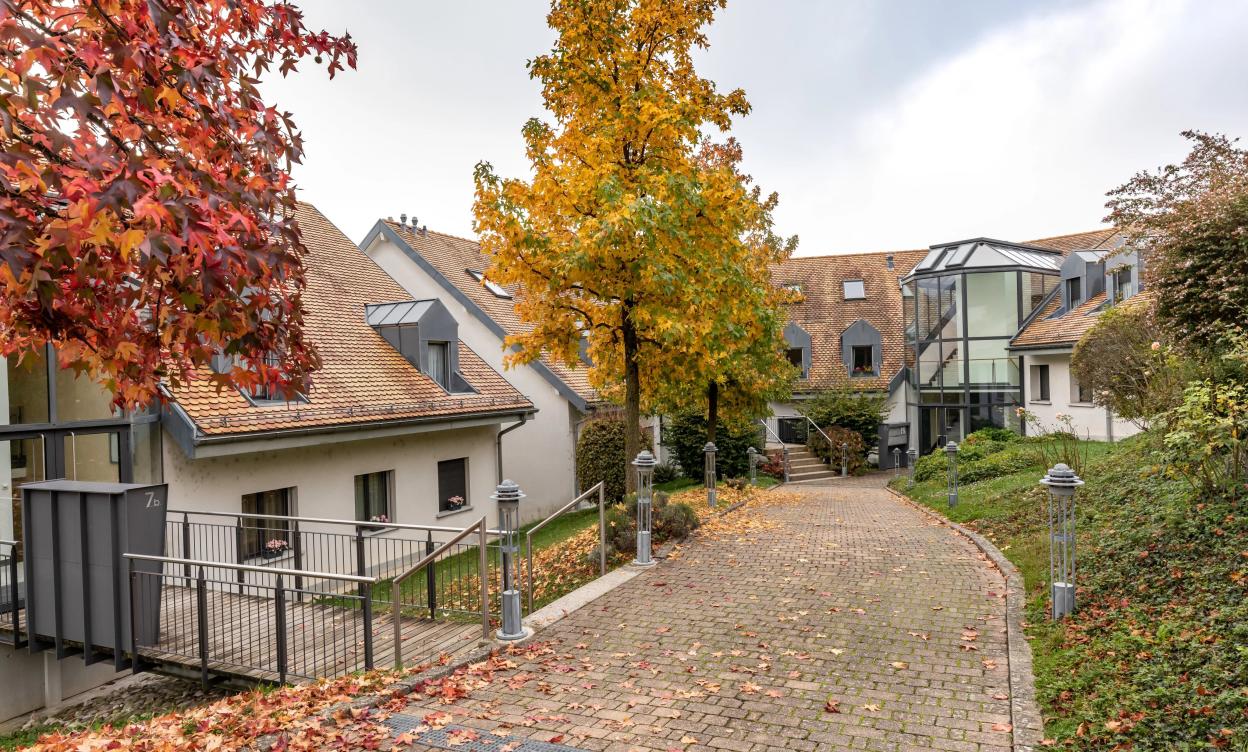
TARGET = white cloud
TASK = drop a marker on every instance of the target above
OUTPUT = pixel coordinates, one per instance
(1021, 134)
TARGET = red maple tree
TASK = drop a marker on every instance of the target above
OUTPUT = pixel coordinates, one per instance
(146, 219)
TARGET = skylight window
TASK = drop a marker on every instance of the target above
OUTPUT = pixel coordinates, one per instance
(499, 292)
(854, 289)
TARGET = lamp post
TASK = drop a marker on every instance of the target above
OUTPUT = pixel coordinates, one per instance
(644, 463)
(752, 455)
(1062, 483)
(951, 451)
(896, 461)
(508, 495)
(709, 451)
(844, 459)
(913, 456)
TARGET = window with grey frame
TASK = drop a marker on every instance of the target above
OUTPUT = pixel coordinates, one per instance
(439, 363)
(267, 535)
(1123, 284)
(863, 360)
(797, 356)
(1074, 292)
(452, 484)
(372, 497)
(853, 289)
(1040, 383)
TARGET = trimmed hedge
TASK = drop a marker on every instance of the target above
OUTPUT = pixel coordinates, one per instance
(600, 455)
(685, 436)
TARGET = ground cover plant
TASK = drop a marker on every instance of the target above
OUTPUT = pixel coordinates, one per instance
(1154, 658)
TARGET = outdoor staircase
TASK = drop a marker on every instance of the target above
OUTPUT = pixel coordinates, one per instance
(804, 466)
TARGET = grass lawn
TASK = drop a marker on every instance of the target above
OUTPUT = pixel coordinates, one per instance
(1155, 656)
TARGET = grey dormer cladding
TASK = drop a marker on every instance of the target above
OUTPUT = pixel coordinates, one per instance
(410, 325)
(1131, 260)
(1089, 268)
(862, 334)
(798, 338)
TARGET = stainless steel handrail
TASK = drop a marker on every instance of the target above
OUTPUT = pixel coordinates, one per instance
(332, 521)
(817, 428)
(600, 489)
(250, 568)
(396, 608)
(784, 450)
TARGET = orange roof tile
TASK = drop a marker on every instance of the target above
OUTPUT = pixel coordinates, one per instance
(1065, 330)
(362, 379)
(453, 256)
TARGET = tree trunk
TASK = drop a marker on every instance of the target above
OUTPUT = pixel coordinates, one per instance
(712, 410)
(632, 400)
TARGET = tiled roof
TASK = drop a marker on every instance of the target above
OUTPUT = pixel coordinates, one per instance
(1050, 330)
(362, 380)
(453, 257)
(825, 314)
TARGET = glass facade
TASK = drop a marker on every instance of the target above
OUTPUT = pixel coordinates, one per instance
(958, 328)
(57, 424)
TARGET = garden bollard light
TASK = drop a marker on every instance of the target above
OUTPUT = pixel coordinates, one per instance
(912, 455)
(752, 455)
(508, 495)
(844, 459)
(709, 451)
(896, 462)
(1062, 482)
(644, 463)
(951, 451)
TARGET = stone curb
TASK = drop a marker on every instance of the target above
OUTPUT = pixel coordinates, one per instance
(1028, 726)
(407, 686)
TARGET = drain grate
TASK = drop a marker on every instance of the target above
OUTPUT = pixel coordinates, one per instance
(442, 738)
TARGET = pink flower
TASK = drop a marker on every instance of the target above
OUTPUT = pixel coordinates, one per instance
(1156, 346)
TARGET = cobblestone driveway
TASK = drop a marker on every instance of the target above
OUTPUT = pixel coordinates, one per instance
(853, 602)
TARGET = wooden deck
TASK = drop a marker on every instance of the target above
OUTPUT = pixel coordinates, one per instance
(321, 640)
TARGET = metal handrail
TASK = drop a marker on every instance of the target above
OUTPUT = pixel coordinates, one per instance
(784, 450)
(600, 489)
(817, 428)
(482, 571)
(332, 521)
(250, 568)
(14, 591)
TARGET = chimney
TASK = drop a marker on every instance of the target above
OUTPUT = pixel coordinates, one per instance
(889, 260)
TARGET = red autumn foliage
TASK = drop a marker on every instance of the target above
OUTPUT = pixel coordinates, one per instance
(145, 217)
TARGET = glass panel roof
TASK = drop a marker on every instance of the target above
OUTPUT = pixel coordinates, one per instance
(403, 312)
(984, 253)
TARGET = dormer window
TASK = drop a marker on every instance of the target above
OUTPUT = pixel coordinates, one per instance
(426, 335)
(498, 291)
(1123, 285)
(1074, 292)
(854, 289)
(438, 364)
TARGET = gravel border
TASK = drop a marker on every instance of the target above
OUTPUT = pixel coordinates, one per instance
(1028, 725)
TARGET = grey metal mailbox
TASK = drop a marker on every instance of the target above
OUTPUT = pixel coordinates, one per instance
(78, 589)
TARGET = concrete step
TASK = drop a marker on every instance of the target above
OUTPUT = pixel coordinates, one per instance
(796, 475)
(816, 463)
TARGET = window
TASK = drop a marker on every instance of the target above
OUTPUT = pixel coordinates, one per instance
(498, 291)
(266, 537)
(263, 392)
(1079, 392)
(438, 365)
(453, 485)
(1123, 288)
(372, 497)
(797, 356)
(792, 286)
(1040, 383)
(1074, 292)
(854, 289)
(863, 360)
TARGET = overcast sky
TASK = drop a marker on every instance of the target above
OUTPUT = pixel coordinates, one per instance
(882, 124)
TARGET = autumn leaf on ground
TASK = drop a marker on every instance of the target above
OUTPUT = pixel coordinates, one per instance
(1002, 727)
(872, 707)
(900, 665)
(437, 719)
(750, 688)
(832, 706)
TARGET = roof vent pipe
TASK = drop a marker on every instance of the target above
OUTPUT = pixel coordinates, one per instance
(403, 218)
(889, 260)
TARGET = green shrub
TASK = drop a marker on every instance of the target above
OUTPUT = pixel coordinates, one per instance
(992, 433)
(857, 452)
(685, 436)
(666, 473)
(600, 455)
(994, 466)
(1206, 437)
(621, 529)
(856, 411)
(674, 521)
(937, 463)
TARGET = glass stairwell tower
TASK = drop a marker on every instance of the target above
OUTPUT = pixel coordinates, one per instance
(962, 305)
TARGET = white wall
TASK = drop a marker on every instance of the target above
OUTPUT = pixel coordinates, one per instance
(1087, 419)
(541, 456)
(324, 476)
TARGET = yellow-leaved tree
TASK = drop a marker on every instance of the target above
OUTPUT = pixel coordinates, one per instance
(635, 231)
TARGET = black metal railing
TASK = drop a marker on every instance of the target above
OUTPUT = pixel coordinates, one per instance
(12, 592)
(185, 611)
(256, 545)
(410, 593)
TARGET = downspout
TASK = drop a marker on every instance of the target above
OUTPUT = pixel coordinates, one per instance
(498, 443)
